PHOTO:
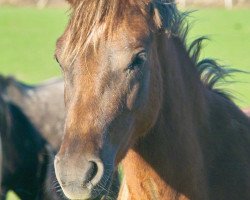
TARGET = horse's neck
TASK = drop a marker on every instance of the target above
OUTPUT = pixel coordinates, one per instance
(167, 163)
(164, 165)
(141, 181)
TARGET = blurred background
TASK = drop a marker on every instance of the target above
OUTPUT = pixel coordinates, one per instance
(29, 29)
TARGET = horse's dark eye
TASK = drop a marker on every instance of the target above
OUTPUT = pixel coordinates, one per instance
(138, 61)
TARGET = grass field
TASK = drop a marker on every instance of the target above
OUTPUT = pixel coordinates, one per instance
(229, 33)
(27, 42)
(28, 35)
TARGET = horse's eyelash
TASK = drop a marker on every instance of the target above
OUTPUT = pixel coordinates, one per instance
(137, 60)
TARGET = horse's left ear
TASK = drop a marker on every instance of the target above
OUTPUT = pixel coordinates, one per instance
(155, 14)
(162, 13)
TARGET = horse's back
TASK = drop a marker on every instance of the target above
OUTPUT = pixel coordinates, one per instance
(24, 150)
(43, 104)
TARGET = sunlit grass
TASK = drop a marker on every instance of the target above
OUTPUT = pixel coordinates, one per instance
(28, 35)
(229, 34)
(11, 196)
(27, 41)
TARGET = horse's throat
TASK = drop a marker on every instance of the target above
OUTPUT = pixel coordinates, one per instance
(141, 181)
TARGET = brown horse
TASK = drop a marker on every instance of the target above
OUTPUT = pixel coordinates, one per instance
(136, 95)
(27, 119)
(37, 113)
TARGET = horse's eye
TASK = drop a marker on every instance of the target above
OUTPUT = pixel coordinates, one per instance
(138, 61)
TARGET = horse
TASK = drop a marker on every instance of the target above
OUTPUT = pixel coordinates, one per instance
(24, 160)
(29, 136)
(137, 95)
(43, 106)
(42, 103)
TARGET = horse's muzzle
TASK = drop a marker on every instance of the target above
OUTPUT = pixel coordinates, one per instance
(79, 178)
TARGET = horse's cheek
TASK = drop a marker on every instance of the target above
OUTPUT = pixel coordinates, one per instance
(132, 98)
(138, 95)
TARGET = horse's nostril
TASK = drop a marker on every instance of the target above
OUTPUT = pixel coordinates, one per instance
(92, 172)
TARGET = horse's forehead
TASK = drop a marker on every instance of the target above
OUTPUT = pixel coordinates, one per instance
(135, 26)
(128, 41)
(131, 34)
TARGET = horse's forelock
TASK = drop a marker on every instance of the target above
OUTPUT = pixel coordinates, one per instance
(88, 17)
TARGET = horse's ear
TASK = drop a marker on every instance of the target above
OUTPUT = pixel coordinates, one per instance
(164, 15)
(155, 14)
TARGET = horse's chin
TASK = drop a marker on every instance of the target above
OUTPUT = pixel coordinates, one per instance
(102, 189)
(83, 195)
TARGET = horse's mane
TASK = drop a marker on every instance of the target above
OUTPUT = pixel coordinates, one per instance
(83, 28)
(210, 71)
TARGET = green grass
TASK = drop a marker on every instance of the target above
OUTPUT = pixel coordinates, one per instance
(27, 41)
(229, 33)
(28, 35)
(12, 196)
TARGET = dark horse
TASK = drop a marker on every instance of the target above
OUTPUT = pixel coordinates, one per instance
(24, 159)
(136, 94)
(30, 116)
(43, 104)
